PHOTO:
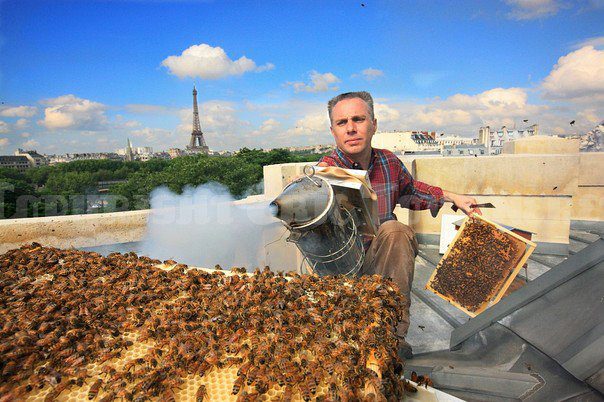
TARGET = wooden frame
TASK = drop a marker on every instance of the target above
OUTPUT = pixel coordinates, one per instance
(498, 291)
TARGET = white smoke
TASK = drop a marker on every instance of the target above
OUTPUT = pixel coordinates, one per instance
(202, 227)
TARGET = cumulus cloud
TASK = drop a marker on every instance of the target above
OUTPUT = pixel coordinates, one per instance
(207, 62)
(372, 73)
(533, 9)
(577, 76)
(4, 127)
(25, 135)
(21, 124)
(318, 83)
(385, 113)
(151, 135)
(4, 142)
(150, 109)
(269, 125)
(18, 111)
(597, 42)
(71, 112)
(30, 144)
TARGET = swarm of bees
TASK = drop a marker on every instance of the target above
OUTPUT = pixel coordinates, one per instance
(477, 265)
(67, 315)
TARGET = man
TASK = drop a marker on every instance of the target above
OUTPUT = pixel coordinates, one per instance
(393, 250)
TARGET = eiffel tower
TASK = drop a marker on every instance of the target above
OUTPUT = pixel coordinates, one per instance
(197, 145)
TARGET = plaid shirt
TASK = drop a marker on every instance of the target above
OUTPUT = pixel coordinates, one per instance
(392, 183)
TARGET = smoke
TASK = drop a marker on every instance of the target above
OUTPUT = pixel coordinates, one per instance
(203, 227)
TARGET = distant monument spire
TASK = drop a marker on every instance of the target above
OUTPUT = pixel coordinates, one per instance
(197, 144)
(129, 153)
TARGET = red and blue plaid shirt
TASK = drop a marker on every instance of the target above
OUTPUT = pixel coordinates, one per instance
(392, 183)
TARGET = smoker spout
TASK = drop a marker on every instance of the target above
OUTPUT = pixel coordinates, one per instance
(275, 209)
(302, 201)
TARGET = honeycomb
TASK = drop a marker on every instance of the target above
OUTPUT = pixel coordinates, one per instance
(218, 381)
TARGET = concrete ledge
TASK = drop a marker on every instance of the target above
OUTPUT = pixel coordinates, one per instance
(547, 216)
(74, 230)
(502, 175)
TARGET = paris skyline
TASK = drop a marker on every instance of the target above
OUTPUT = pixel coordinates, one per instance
(78, 76)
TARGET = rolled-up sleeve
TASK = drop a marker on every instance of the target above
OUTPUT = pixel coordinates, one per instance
(417, 195)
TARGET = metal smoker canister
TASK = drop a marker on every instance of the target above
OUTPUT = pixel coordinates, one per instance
(325, 233)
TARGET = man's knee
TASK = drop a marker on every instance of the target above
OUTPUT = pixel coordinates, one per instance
(397, 232)
(396, 227)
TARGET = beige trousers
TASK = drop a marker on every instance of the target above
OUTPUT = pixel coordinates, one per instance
(392, 254)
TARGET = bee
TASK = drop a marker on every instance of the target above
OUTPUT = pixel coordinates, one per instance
(408, 387)
(237, 385)
(201, 393)
(305, 391)
(56, 391)
(108, 398)
(94, 389)
(287, 394)
(243, 370)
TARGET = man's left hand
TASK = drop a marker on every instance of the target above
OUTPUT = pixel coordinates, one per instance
(462, 202)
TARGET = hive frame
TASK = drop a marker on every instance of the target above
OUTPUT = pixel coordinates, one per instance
(497, 294)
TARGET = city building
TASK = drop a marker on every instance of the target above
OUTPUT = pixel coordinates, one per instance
(454, 140)
(175, 152)
(142, 150)
(494, 140)
(403, 142)
(463, 150)
(54, 159)
(21, 163)
(34, 158)
(315, 149)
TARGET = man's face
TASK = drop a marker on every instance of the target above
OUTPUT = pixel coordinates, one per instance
(352, 126)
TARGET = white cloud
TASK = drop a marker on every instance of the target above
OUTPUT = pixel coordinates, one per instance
(30, 144)
(4, 142)
(150, 109)
(533, 9)
(385, 114)
(462, 113)
(151, 135)
(577, 76)
(4, 127)
(269, 125)
(318, 83)
(591, 115)
(372, 73)
(597, 42)
(207, 62)
(71, 112)
(25, 135)
(19, 111)
(21, 124)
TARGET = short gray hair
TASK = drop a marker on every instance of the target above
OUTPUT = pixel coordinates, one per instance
(365, 96)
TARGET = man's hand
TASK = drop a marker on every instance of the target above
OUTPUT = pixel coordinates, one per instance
(462, 202)
(322, 164)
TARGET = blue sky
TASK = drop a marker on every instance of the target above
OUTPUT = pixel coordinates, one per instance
(84, 75)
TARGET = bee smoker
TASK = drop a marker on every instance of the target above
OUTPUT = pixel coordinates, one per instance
(326, 220)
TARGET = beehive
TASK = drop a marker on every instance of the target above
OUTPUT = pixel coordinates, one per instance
(480, 264)
(218, 381)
